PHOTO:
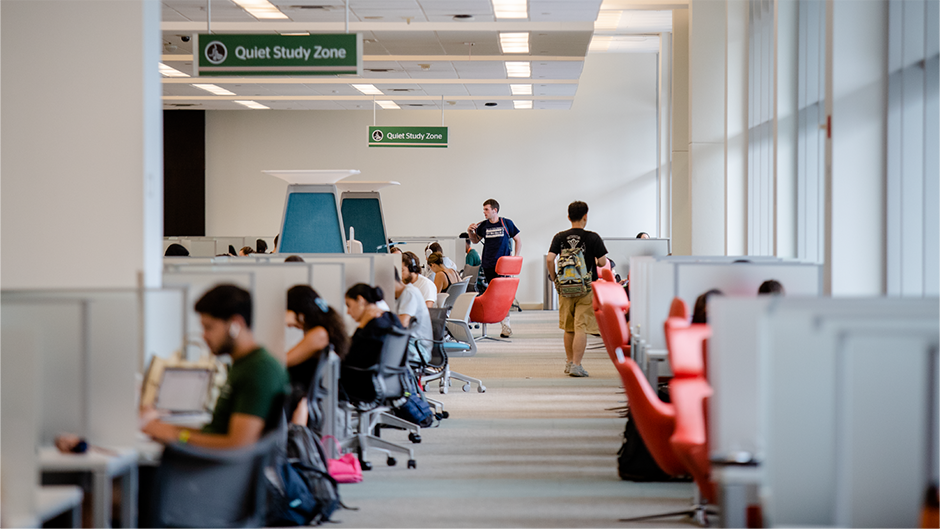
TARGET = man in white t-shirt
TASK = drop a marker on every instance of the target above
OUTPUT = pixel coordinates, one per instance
(410, 306)
(411, 274)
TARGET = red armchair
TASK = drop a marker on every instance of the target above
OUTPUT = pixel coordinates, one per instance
(493, 305)
(617, 335)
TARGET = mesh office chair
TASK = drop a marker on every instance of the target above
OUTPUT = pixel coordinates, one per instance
(387, 378)
(458, 327)
(470, 273)
(199, 487)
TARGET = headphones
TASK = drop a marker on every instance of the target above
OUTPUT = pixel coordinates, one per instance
(411, 263)
(234, 329)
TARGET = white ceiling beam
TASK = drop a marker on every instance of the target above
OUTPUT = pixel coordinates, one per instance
(186, 57)
(385, 97)
(355, 27)
(356, 80)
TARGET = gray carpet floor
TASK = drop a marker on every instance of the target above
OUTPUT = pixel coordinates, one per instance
(537, 449)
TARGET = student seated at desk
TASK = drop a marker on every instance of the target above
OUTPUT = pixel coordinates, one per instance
(251, 402)
(444, 276)
(365, 348)
(322, 327)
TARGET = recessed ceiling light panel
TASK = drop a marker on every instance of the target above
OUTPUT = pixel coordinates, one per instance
(388, 105)
(521, 89)
(217, 90)
(254, 105)
(518, 69)
(368, 89)
(167, 71)
(514, 42)
(522, 104)
(511, 8)
(260, 9)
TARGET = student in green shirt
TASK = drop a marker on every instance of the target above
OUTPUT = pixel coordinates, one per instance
(472, 258)
(251, 402)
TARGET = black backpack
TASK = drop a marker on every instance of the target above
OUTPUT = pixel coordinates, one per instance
(634, 461)
(300, 490)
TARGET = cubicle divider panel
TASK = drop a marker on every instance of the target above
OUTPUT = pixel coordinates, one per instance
(63, 360)
(20, 406)
(115, 335)
(734, 410)
(621, 249)
(204, 249)
(654, 281)
(894, 396)
(805, 393)
(743, 279)
(195, 284)
(164, 313)
(312, 222)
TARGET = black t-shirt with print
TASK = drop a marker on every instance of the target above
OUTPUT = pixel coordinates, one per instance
(590, 242)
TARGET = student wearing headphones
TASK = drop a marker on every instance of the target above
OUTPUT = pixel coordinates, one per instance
(411, 275)
(251, 402)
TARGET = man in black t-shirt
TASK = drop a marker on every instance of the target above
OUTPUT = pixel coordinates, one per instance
(498, 235)
(575, 314)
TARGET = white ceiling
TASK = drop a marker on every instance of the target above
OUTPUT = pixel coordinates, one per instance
(416, 52)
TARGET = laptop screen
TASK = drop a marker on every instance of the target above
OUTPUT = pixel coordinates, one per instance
(183, 390)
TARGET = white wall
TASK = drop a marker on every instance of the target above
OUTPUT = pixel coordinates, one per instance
(602, 151)
(78, 148)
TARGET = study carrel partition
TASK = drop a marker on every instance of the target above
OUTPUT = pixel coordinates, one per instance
(362, 212)
(312, 221)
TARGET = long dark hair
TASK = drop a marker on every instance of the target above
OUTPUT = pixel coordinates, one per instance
(304, 301)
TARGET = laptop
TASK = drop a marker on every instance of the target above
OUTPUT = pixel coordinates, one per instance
(183, 394)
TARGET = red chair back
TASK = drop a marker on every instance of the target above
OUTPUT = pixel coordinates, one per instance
(607, 274)
(689, 440)
(493, 305)
(610, 321)
(679, 309)
(655, 419)
(509, 265)
(686, 347)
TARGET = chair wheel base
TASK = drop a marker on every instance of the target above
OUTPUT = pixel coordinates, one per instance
(391, 461)
(445, 415)
(365, 465)
(414, 438)
(412, 463)
(481, 389)
(466, 387)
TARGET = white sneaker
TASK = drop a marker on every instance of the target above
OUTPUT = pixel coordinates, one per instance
(577, 371)
(567, 367)
(506, 332)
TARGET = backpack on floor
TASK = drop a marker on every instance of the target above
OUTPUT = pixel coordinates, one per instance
(634, 461)
(308, 456)
(300, 490)
(415, 409)
(573, 280)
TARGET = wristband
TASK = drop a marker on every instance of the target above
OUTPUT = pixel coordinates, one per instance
(184, 436)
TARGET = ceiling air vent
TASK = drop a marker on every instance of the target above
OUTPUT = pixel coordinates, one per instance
(379, 70)
(185, 104)
(400, 89)
(322, 8)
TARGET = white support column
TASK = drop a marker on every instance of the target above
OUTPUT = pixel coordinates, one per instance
(856, 224)
(681, 207)
(786, 84)
(708, 22)
(736, 131)
(665, 135)
(82, 154)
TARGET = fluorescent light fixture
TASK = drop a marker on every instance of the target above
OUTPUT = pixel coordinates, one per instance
(511, 8)
(217, 90)
(522, 104)
(260, 8)
(607, 20)
(167, 71)
(518, 69)
(514, 42)
(521, 89)
(296, 34)
(388, 105)
(253, 105)
(368, 89)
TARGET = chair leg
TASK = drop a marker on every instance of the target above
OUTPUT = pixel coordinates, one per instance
(391, 420)
(698, 513)
(480, 387)
(484, 336)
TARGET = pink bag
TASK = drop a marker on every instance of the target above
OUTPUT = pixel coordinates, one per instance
(346, 469)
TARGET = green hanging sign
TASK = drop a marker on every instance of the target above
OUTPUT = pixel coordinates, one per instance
(426, 137)
(239, 55)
